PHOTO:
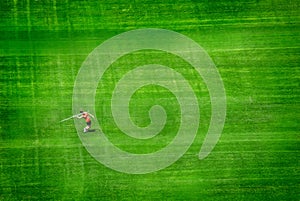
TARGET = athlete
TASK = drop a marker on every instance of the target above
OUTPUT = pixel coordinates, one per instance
(87, 118)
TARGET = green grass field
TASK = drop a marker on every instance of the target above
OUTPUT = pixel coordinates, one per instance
(255, 46)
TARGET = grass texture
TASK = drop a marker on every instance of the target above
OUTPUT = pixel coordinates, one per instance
(254, 44)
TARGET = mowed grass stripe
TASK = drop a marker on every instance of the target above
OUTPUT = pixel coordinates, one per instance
(255, 47)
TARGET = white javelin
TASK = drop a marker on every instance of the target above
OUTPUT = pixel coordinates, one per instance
(76, 115)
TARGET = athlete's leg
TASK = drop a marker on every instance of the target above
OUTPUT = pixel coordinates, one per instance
(88, 126)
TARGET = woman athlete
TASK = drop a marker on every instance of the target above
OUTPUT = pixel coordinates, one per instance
(87, 118)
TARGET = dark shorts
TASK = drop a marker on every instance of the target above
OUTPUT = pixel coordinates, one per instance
(89, 123)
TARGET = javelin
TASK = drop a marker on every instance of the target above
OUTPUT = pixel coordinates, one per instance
(69, 117)
(76, 115)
